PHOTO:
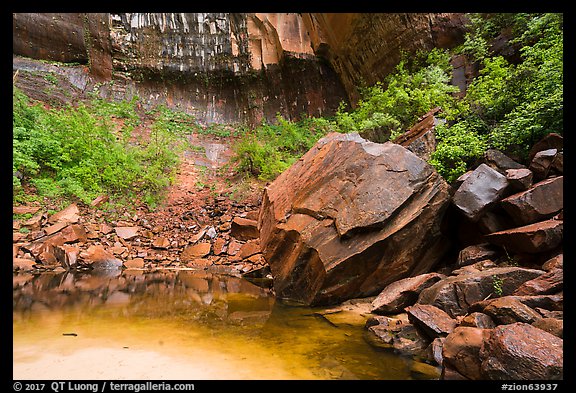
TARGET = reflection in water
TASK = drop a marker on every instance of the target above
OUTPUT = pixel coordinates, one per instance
(180, 325)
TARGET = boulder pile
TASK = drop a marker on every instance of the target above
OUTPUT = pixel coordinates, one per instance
(223, 238)
(496, 310)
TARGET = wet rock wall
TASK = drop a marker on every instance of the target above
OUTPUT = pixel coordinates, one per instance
(220, 67)
(226, 67)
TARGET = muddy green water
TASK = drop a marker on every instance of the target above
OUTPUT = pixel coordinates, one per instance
(187, 325)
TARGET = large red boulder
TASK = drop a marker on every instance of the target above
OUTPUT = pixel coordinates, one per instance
(349, 218)
(522, 352)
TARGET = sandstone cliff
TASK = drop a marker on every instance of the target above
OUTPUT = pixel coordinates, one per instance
(234, 66)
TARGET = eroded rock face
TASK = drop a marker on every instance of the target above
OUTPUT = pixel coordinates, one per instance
(367, 46)
(219, 67)
(349, 218)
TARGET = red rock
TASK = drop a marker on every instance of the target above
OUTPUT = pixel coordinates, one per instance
(546, 163)
(25, 209)
(118, 250)
(252, 215)
(99, 200)
(22, 264)
(478, 320)
(127, 233)
(92, 235)
(402, 293)
(349, 218)
(17, 237)
(37, 247)
(47, 257)
(541, 201)
(500, 161)
(548, 283)
(225, 227)
(198, 236)
(33, 222)
(421, 139)
(551, 325)
(550, 141)
(556, 262)
(192, 252)
(69, 214)
(67, 256)
(461, 350)
(475, 253)
(433, 321)
(244, 229)
(98, 258)
(484, 187)
(405, 339)
(219, 246)
(74, 233)
(519, 179)
(449, 374)
(234, 247)
(136, 263)
(248, 249)
(435, 349)
(456, 294)
(522, 352)
(199, 263)
(257, 259)
(507, 309)
(161, 242)
(534, 238)
(105, 228)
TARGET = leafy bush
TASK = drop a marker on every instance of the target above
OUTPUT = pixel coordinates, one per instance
(459, 147)
(388, 109)
(513, 105)
(74, 152)
(270, 149)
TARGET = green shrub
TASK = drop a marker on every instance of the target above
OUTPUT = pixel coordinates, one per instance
(75, 152)
(388, 109)
(458, 147)
(519, 103)
(268, 150)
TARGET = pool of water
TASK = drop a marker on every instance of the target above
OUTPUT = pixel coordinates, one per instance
(184, 324)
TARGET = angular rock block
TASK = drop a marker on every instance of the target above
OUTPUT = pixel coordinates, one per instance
(481, 189)
(456, 294)
(522, 352)
(349, 218)
(533, 238)
(403, 293)
(541, 201)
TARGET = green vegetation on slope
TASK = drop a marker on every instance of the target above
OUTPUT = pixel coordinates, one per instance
(509, 106)
(77, 151)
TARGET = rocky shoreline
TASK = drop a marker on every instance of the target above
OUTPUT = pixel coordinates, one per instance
(497, 312)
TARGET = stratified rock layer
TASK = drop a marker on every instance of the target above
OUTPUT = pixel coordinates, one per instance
(349, 218)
